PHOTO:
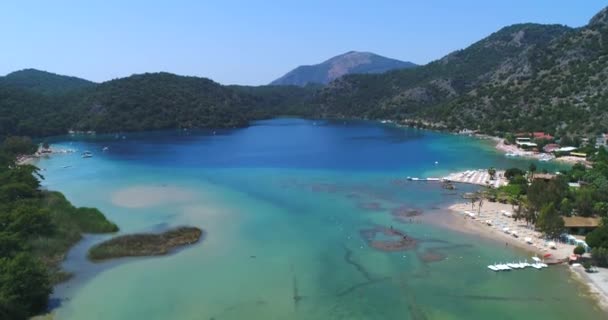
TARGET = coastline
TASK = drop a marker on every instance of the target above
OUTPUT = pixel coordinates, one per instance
(456, 220)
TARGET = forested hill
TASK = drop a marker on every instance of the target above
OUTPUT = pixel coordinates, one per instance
(43, 82)
(143, 102)
(502, 56)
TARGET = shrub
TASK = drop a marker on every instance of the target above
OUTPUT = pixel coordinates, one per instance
(579, 250)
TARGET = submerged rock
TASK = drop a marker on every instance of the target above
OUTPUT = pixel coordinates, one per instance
(388, 239)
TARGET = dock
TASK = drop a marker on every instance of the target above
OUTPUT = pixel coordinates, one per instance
(478, 177)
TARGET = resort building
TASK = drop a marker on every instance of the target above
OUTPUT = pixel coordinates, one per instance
(565, 149)
(581, 225)
(544, 176)
(601, 140)
(542, 136)
(525, 143)
(551, 147)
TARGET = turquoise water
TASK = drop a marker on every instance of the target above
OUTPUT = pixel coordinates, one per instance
(283, 204)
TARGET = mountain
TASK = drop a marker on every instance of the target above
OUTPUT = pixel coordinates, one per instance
(502, 56)
(525, 77)
(352, 62)
(43, 82)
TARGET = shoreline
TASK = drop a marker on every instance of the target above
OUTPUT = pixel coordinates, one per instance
(456, 220)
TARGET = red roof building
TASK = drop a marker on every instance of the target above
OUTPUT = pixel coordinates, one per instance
(542, 136)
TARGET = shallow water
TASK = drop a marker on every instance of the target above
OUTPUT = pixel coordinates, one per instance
(284, 203)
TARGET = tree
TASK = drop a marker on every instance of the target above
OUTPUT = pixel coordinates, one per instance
(584, 201)
(513, 172)
(579, 250)
(531, 170)
(598, 237)
(549, 221)
(25, 286)
(492, 173)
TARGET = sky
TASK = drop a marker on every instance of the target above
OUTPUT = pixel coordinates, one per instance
(250, 42)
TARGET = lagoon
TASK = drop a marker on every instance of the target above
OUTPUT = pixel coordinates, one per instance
(284, 203)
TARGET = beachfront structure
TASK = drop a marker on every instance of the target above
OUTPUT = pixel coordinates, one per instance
(565, 149)
(542, 136)
(601, 141)
(524, 142)
(578, 154)
(580, 225)
(551, 147)
(544, 176)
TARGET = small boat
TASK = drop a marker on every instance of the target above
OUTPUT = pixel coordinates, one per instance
(87, 154)
(514, 234)
(493, 268)
(528, 240)
(105, 149)
(506, 230)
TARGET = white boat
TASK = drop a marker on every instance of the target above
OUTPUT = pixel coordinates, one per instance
(87, 154)
(514, 233)
(489, 222)
(504, 267)
(105, 149)
(506, 230)
(536, 259)
(528, 240)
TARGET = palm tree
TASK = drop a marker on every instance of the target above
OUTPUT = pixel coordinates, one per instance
(492, 173)
(531, 171)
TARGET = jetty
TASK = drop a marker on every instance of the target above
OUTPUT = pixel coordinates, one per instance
(479, 177)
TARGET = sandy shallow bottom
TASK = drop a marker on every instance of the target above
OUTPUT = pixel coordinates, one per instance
(147, 196)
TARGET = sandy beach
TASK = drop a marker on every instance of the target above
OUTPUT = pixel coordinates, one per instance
(495, 213)
(596, 282)
(459, 219)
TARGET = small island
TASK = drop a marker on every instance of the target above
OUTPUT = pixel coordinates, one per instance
(144, 244)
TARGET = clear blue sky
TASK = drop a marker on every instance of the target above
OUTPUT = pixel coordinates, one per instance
(250, 42)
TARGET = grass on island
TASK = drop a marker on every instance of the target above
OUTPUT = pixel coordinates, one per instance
(68, 223)
(145, 244)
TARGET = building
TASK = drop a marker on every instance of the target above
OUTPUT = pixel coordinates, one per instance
(525, 143)
(601, 140)
(551, 147)
(542, 136)
(581, 225)
(565, 149)
(544, 176)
